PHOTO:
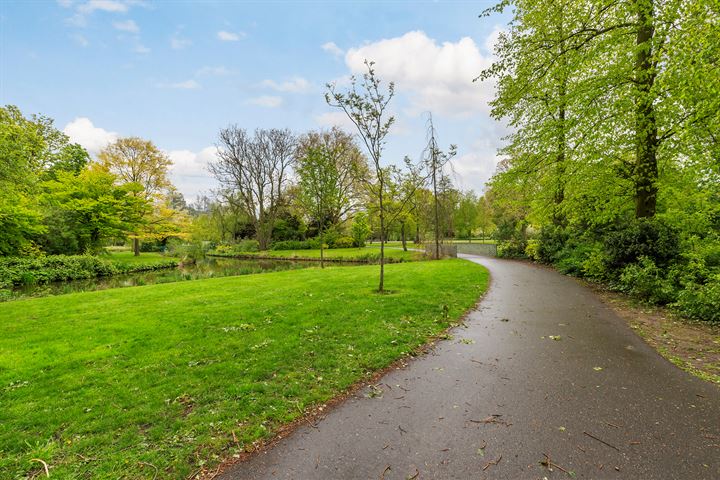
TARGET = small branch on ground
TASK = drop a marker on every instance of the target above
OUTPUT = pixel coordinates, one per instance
(601, 441)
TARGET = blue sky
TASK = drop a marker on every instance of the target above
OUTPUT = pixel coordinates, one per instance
(176, 72)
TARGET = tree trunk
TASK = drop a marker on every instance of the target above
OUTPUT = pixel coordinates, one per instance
(136, 246)
(322, 248)
(437, 213)
(646, 169)
(559, 197)
(381, 287)
(402, 235)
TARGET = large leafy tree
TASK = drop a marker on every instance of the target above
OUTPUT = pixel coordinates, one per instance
(84, 210)
(137, 161)
(606, 98)
(31, 150)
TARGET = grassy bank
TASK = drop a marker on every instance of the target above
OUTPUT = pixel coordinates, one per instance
(54, 268)
(161, 380)
(368, 254)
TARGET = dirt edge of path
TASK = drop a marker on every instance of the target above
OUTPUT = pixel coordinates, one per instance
(691, 345)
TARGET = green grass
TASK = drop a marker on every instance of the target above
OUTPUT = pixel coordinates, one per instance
(119, 383)
(370, 253)
(149, 258)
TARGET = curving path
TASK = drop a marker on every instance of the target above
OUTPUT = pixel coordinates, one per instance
(499, 389)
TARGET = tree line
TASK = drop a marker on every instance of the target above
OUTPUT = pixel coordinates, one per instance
(612, 170)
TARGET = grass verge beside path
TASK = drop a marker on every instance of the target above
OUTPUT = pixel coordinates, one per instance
(160, 380)
(365, 254)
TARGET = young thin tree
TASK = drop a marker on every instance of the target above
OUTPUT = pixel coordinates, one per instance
(366, 105)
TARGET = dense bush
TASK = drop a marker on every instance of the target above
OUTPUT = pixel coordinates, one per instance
(243, 246)
(701, 301)
(649, 238)
(646, 258)
(32, 270)
(296, 245)
(343, 242)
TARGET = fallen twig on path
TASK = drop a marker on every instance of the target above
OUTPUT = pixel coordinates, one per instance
(492, 462)
(601, 441)
(549, 463)
(382, 475)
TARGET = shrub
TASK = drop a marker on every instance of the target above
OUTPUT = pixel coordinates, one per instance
(701, 301)
(532, 250)
(343, 242)
(551, 241)
(647, 281)
(650, 238)
(54, 268)
(513, 248)
(296, 245)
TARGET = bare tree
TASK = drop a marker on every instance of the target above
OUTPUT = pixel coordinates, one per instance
(366, 106)
(257, 170)
(436, 160)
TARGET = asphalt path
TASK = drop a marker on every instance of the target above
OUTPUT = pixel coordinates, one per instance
(544, 380)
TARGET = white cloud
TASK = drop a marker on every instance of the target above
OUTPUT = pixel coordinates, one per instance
(335, 119)
(492, 39)
(178, 43)
(189, 172)
(213, 71)
(103, 5)
(230, 36)
(295, 85)
(184, 85)
(82, 131)
(142, 49)
(332, 48)
(474, 169)
(437, 77)
(80, 40)
(268, 101)
(127, 26)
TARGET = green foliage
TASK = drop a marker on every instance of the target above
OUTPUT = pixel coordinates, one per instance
(701, 301)
(360, 229)
(343, 242)
(647, 281)
(649, 238)
(296, 244)
(243, 246)
(54, 268)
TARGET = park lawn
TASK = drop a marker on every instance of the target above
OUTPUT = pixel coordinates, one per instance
(370, 253)
(159, 380)
(145, 258)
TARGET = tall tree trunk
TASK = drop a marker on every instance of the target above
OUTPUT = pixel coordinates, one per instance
(136, 246)
(402, 235)
(646, 132)
(322, 248)
(559, 196)
(437, 212)
(558, 217)
(381, 287)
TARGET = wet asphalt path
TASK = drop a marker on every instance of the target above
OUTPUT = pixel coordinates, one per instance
(499, 389)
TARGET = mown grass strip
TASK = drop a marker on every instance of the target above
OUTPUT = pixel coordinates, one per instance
(103, 384)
